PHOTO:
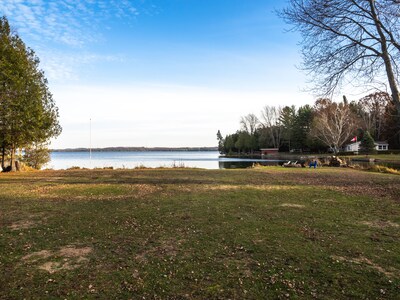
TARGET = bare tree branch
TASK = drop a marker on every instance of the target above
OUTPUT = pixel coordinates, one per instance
(348, 41)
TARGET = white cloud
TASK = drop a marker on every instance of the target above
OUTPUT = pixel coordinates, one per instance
(65, 66)
(68, 22)
(60, 30)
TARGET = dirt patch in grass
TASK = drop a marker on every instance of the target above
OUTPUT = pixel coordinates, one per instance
(72, 257)
(325, 201)
(146, 189)
(292, 205)
(23, 224)
(100, 191)
(365, 261)
(222, 187)
(247, 186)
(70, 251)
(37, 255)
(195, 188)
(380, 224)
(51, 267)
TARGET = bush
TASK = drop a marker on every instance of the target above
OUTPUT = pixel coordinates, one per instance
(36, 156)
(383, 169)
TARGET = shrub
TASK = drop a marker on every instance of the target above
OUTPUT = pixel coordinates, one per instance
(36, 156)
(383, 169)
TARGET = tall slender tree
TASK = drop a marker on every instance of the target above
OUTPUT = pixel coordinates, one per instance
(287, 119)
(220, 142)
(271, 124)
(249, 123)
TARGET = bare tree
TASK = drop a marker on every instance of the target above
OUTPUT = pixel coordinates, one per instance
(270, 116)
(358, 40)
(249, 123)
(334, 123)
(374, 113)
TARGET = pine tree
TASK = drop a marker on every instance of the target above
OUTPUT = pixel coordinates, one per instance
(27, 111)
(220, 142)
(367, 144)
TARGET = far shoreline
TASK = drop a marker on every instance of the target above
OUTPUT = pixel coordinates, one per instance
(136, 149)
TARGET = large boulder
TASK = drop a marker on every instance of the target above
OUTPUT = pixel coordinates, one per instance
(336, 162)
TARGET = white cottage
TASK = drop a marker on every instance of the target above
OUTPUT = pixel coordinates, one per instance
(355, 147)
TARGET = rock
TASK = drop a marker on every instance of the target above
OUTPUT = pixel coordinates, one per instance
(336, 162)
(7, 169)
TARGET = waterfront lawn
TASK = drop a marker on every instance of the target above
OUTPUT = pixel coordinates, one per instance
(200, 234)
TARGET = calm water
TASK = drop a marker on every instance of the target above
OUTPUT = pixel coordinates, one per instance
(152, 159)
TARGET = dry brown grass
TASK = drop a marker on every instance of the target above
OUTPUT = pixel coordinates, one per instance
(363, 261)
(66, 258)
(292, 205)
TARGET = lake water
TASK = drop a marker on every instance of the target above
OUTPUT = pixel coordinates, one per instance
(152, 159)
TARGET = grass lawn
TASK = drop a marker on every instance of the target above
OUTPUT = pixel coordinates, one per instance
(200, 234)
(395, 158)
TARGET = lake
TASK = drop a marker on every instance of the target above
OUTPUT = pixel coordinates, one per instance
(152, 159)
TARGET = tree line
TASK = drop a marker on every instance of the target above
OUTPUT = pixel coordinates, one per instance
(349, 42)
(327, 125)
(28, 114)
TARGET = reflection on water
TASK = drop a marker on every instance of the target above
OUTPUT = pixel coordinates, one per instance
(246, 164)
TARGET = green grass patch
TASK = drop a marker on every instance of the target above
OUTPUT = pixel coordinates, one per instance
(197, 234)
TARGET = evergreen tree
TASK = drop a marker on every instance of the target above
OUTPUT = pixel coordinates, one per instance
(301, 127)
(367, 144)
(242, 142)
(220, 142)
(27, 111)
(287, 119)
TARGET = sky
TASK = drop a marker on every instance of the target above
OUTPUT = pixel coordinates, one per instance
(167, 73)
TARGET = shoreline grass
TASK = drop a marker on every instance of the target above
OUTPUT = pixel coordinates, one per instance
(200, 234)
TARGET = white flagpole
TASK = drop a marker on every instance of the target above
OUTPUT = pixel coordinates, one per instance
(90, 143)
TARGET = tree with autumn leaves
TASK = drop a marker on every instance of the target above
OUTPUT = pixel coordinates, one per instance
(349, 41)
(325, 125)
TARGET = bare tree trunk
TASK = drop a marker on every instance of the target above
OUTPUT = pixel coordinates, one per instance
(12, 160)
(3, 156)
(386, 58)
(388, 64)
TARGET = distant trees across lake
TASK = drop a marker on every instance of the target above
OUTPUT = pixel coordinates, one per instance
(137, 149)
(326, 125)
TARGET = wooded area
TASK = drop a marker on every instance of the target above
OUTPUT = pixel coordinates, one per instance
(325, 126)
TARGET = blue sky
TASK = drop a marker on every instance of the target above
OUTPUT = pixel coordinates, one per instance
(161, 72)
